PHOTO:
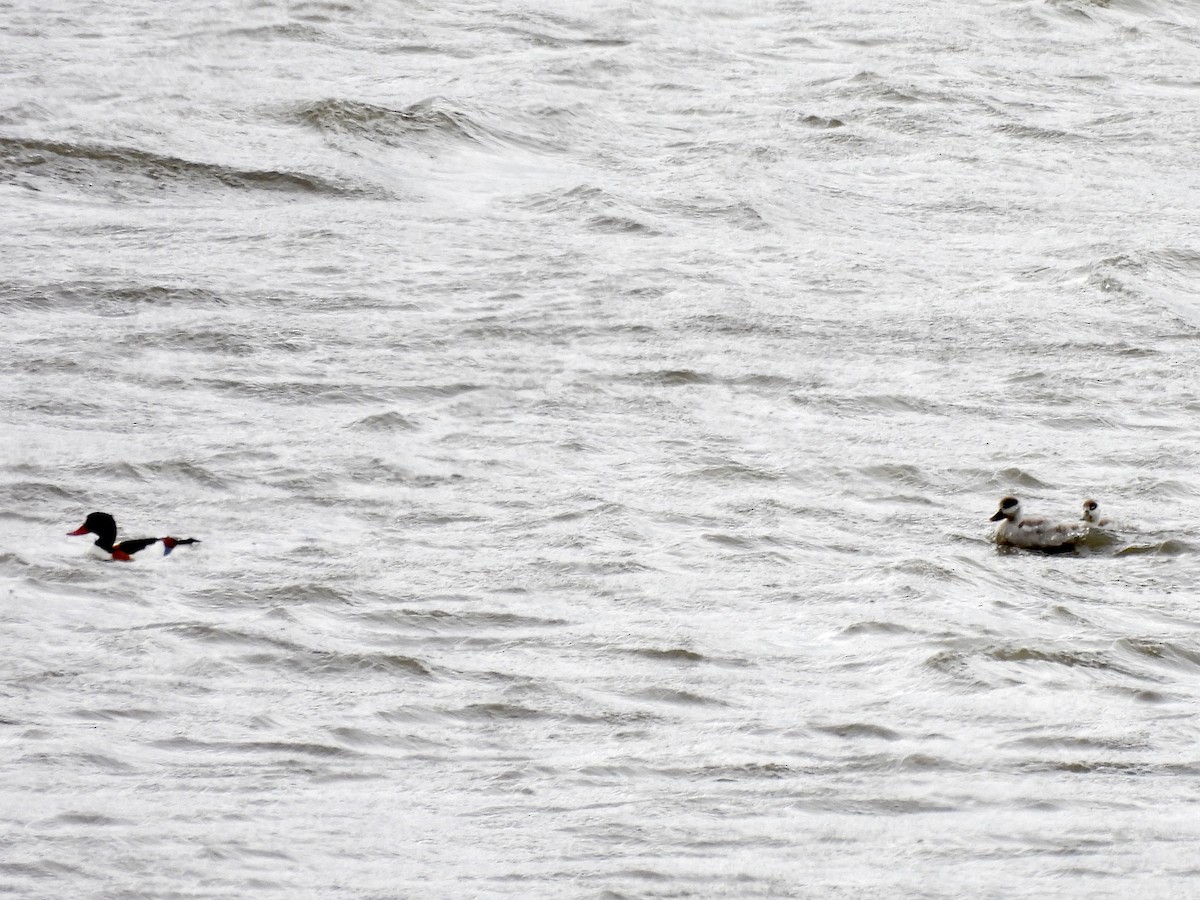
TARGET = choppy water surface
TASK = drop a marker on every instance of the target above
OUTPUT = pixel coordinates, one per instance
(591, 414)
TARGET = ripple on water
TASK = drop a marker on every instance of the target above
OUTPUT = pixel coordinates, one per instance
(675, 697)
(859, 629)
(132, 174)
(857, 730)
(1161, 653)
(385, 422)
(430, 124)
(330, 663)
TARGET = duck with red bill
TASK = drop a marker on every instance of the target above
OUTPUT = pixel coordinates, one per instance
(104, 527)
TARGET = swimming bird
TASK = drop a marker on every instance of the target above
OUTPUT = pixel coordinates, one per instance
(104, 527)
(1033, 532)
(1091, 514)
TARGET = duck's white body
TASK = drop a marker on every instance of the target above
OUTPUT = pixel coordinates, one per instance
(1034, 532)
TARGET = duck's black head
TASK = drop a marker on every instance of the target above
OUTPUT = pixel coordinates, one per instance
(1008, 509)
(100, 524)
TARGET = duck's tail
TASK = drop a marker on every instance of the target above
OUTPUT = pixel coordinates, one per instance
(170, 543)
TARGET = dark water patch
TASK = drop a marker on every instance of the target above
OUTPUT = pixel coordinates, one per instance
(683, 657)
(735, 541)
(130, 174)
(625, 564)
(908, 762)
(676, 697)
(869, 628)
(323, 663)
(882, 404)
(425, 124)
(1169, 547)
(1162, 488)
(224, 636)
(596, 511)
(613, 224)
(275, 595)
(738, 326)
(866, 83)
(888, 807)
(387, 422)
(1073, 743)
(1023, 131)
(441, 621)
(305, 592)
(1072, 659)
(855, 730)
(31, 494)
(538, 37)
(40, 871)
(1082, 422)
(817, 122)
(379, 471)
(1008, 479)
(181, 470)
(926, 569)
(238, 850)
(88, 819)
(957, 664)
(732, 470)
(445, 391)
(1130, 769)
(238, 344)
(1141, 695)
(770, 384)
(422, 519)
(313, 551)
(272, 748)
(594, 208)
(103, 299)
(117, 715)
(320, 11)
(374, 469)
(740, 215)
(96, 763)
(100, 473)
(674, 655)
(1065, 614)
(502, 711)
(16, 561)
(363, 739)
(672, 378)
(1167, 652)
(24, 112)
(292, 31)
(769, 771)
(904, 474)
(297, 392)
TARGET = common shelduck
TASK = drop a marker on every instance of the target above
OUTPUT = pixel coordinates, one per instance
(104, 527)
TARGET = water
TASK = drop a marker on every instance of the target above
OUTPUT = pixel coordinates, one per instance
(591, 417)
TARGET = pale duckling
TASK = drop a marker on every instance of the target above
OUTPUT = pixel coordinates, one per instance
(1034, 532)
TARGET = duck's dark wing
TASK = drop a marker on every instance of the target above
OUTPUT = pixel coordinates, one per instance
(133, 546)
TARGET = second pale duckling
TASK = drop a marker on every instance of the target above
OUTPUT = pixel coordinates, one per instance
(1091, 514)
